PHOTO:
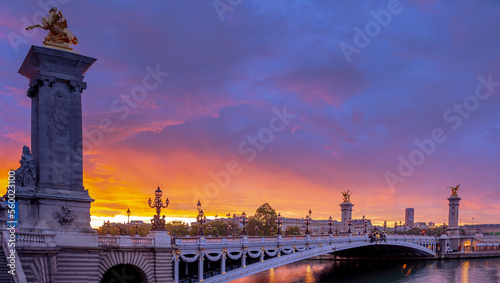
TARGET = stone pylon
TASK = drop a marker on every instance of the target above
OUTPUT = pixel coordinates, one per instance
(346, 214)
(51, 195)
(453, 231)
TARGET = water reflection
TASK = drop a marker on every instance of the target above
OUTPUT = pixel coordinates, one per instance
(465, 271)
(439, 271)
(309, 275)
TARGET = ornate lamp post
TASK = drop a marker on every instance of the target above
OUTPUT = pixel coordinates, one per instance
(307, 221)
(256, 229)
(230, 229)
(385, 226)
(272, 230)
(128, 215)
(200, 218)
(108, 225)
(187, 229)
(330, 223)
(365, 222)
(396, 227)
(336, 230)
(157, 223)
(349, 223)
(279, 222)
(243, 221)
(209, 229)
(136, 226)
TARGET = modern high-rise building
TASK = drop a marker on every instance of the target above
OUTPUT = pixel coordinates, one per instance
(409, 216)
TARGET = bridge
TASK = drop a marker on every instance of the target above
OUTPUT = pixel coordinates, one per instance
(52, 241)
(228, 258)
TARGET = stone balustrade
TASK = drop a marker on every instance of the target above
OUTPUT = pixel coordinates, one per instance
(35, 239)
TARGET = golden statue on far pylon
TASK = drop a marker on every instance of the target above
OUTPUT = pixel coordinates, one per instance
(454, 190)
(347, 196)
(59, 36)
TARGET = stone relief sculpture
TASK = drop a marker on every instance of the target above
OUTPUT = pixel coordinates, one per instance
(59, 35)
(60, 110)
(3, 209)
(26, 174)
(347, 196)
(65, 216)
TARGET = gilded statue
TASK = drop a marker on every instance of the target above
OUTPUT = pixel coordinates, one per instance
(454, 190)
(59, 36)
(347, 196)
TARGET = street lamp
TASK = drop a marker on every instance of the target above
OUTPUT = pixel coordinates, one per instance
(243, 221)
(330, 223)
(136, 226)
(385, 226)
(108, 225)
(187, 229)
(349, 223)
(307, 221)
(229, 229)
(157, 223)
(128, 215)
(396, 227)
(209, 227)
(364, 223)
(336, 230)
(404, 229)
(279, 222)
(200, 218)
(256, 229)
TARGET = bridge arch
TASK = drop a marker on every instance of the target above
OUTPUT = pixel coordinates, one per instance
(126, 264)
(356, 249)
(124, 273)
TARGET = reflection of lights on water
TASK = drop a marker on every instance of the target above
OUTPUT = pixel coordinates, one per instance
(408, 272)
(272, 276)
(404, 266)
(309, 275)
(465, 271)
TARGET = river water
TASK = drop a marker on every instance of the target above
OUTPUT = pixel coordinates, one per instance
(425, 271)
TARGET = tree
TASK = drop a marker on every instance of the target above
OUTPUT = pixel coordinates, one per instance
(265, 218)
(219, 228)
(176, 227)
(292, 230)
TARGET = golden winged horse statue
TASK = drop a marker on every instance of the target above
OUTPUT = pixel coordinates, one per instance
(59, 36)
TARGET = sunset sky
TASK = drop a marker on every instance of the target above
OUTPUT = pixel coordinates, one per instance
(364, 100)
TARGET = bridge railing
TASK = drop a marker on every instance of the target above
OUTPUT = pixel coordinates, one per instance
(125, 241)
(35, 239)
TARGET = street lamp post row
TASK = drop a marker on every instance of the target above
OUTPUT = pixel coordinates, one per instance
(200, 218)
(157, 223)
(279, 222)
(330, 223)
(364, 223)
(307, 221)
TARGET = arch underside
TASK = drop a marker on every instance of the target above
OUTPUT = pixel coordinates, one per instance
(362, 251)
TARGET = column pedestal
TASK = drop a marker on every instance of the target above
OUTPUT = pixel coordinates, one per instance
(346, 214)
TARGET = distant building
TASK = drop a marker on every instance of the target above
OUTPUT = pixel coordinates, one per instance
(486, 229)
(420, 225)
(409, 217)
(431, 224)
